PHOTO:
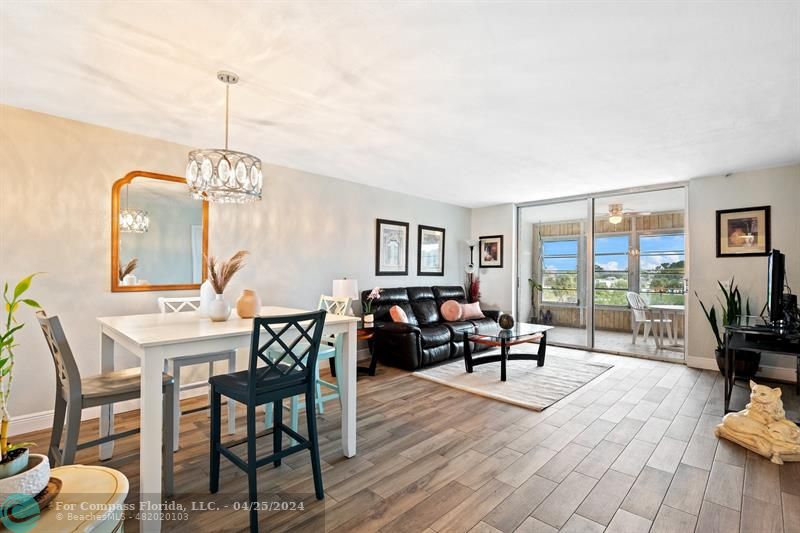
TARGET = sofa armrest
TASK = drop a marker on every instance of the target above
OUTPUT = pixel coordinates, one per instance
(396, 327)
(494, 314)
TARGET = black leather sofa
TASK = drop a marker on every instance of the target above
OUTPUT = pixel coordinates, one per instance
(427, 338)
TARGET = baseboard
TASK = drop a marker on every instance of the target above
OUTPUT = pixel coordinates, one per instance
(778, 373)
(44, 419)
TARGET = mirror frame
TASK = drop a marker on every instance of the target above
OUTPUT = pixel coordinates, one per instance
(115, 204)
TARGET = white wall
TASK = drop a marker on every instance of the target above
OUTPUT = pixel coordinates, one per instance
(776, 187)
(497, 284)
(55, 208)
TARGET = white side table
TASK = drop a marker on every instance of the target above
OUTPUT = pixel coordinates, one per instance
(95, 493)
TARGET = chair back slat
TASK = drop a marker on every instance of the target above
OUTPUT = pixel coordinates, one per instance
(333, 304)
(638, 305)
(178, 305)
(68, 376)
(295, 339)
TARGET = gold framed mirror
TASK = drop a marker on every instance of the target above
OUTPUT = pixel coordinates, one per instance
(159, 234)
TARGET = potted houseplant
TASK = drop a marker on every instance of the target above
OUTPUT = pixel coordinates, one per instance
(369, 318)
(220, 274)
(745, 361)
(20, 471)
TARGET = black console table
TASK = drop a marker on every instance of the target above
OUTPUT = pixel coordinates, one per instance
(758, 338)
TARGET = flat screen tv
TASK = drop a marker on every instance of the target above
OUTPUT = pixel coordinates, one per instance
(775, 279)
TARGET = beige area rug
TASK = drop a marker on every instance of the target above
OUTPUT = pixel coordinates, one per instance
(528, 385)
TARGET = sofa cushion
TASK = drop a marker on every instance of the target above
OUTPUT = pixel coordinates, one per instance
(449, 292)
(471, 311)
(434, 335)
(398, 314)
(483, 325)
(458, 328)
(451, 311)
(423, 305)
(389, 298)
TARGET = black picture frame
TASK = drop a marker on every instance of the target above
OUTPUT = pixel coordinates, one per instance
(434, 229)
(381, 270)
(498, 261)
(724, 221)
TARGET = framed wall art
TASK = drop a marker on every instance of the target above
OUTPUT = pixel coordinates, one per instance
(391, 248)
(743, 232)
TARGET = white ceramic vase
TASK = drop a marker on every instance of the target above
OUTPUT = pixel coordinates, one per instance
(207, 295)
(129, 280)
(31, 481)
(219, 310)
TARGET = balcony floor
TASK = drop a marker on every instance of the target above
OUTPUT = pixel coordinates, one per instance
(617, 342)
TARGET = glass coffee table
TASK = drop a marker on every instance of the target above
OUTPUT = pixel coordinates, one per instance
(521, 333)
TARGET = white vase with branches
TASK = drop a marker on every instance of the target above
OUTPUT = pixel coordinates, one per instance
(220, 274)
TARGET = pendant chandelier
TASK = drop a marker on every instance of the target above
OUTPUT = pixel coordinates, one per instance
(133, 220)
(222, 175)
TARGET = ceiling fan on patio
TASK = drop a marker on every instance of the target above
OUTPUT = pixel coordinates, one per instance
(616, 213)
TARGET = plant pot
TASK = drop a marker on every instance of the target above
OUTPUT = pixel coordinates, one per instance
(249, 304)
(31, 480)
(746, 362)
(17, 463)
(219, 310)
(207, 296)
(369, 319)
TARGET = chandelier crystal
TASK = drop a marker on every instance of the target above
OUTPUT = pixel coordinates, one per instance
(222, 175)
(133, 221)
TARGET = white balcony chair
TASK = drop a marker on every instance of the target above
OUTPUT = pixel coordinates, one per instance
(173, 367)
(640, 314)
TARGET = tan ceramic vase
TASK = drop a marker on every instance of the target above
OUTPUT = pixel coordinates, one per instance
(249, 304)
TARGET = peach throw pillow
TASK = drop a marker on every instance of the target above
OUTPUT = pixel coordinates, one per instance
(471, 311)
(398, 315)
(451, 311)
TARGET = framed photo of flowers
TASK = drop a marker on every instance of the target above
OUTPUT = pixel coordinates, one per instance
(391, 248)
(490, 251)
(743, 232)
(430, 251)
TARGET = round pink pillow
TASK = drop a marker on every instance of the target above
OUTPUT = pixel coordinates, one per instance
(451, 311)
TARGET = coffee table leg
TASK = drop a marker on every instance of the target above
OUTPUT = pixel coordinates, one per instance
(503, 358)
(542, 349)
(467, 354)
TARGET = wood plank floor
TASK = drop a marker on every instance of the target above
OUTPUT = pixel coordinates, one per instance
(632, 451)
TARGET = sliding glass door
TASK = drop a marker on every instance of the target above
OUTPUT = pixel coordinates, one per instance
(636, 244)
(552, 269)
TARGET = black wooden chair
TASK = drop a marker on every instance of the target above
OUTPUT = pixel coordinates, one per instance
(297, 337)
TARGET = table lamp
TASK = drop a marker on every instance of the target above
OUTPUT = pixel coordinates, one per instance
(346, 288)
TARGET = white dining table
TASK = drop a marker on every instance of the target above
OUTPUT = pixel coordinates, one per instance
(157, 337)
(663, 311)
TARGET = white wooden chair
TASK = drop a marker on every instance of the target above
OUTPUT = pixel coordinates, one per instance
(640, 314)
(173, 366)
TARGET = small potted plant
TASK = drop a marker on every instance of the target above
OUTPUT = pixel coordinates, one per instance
(746, 361)
(20, 471)
(220, 274)
(126, 275)
(369, 318)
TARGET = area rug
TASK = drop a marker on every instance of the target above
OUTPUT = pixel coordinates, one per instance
(528, 385)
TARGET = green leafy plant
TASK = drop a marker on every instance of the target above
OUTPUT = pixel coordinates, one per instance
(7, 346)
(731, 307)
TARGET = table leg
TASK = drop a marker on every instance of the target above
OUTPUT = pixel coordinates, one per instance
(151, 437)
(468, 354)
(106, 411)
(503, 358)
(347, 391)
(542, 349)
(729, 373)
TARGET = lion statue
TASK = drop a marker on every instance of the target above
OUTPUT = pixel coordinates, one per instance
(762, 426)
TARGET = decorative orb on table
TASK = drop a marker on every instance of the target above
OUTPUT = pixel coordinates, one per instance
(506, 321)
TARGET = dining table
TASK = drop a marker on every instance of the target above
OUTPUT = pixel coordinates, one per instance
(673, 311)
(156, 337)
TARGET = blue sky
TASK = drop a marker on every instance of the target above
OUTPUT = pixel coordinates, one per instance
(612, 252)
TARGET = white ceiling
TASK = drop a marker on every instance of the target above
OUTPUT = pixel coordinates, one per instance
(473, 103)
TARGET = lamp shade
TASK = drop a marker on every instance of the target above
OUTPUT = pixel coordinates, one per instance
(345, 288)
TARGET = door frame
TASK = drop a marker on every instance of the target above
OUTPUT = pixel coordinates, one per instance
(590, 199)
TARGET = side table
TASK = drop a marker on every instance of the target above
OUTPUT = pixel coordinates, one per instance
(91, 499)
(366, 334)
